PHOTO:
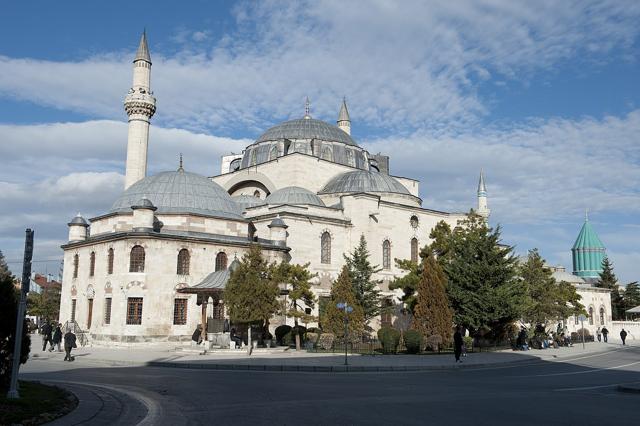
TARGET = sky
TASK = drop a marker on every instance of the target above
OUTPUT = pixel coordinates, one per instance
(543, 96)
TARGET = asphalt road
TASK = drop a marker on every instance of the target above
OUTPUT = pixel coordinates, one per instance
(582, 391)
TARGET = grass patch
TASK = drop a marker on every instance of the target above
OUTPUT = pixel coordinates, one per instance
(38, 404)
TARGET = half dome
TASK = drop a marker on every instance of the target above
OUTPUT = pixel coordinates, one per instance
(180, 192)
(306, 128)
(364, 181)
(294, 195)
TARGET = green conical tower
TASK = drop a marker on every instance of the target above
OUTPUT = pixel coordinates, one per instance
(588, 253)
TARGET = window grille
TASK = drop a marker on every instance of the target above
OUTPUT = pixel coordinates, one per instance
(590, 315)
(325, 248)
(134, 310)
(73, 309)
(136, 260)
(76, 261)
(601, 316)
(221, 261)
(110, 261)
(184, 259)
(107, 311)
(92, 264)
(386, 254)
(89, 313)
(180, 312)
(414, 250)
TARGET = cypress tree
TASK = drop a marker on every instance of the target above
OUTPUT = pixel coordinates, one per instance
(609, 281)
(342, 292)
(432, 314)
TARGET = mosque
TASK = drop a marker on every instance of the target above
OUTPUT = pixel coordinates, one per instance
(154, 266)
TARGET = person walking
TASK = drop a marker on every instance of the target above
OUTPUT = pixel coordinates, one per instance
(457, 344)
(197, 335)
(46, 335)
(69, 344)
(605, 334)
(57, 338)
(623, 336)
(599, 334)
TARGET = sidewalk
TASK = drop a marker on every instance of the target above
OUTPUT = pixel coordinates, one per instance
(290, 360)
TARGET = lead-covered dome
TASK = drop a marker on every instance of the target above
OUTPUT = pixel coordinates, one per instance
(364, 181)
(306, 128)
(294, 195)
(180, 192)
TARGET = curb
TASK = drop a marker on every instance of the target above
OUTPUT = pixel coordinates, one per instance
(629, 388)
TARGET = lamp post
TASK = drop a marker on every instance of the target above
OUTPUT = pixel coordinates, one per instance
(343, 306)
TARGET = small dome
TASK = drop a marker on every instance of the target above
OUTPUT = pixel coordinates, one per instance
(78, 220)
(306, 128)
(294, 195)
(277, 223)
(180, 192)
(246, 201)
(364, 181)
(144, 203)
(563, 275)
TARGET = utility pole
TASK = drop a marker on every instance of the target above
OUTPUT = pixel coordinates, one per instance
(26, 278)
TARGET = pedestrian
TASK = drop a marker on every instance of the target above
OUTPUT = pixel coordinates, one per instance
(599, 334)
(605, 334)
(623, 335)
(457, 344)
(234, 338)
(47, 329)
(197, 335)
(69, 344)
(57, 338)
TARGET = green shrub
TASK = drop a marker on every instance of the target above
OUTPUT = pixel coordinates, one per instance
(326, 341)
(413, 341)
(468, 342)
(290, 337)
(280, 333)
(389, 339)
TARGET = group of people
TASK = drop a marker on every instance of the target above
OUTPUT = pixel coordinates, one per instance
(53, 337)
(603, 334)
(198, 335)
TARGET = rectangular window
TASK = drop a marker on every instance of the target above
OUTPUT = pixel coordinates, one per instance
(134, 310)
(180, 312)
(107, 310)
(73, 309)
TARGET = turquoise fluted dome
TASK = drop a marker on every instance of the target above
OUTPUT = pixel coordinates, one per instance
(588, 252)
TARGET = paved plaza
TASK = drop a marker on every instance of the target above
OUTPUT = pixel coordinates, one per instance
(128, 386)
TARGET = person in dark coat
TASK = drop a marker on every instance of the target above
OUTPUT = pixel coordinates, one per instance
(69, 344)
(623, 335)
(46, 335)
(234, 338)
(57, 338)
(197, 335)
(457, 344)
(605, 334)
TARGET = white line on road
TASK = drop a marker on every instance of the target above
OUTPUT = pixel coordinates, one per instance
(591, 370)
(594, 387)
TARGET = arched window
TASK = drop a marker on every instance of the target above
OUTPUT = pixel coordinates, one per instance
(590, 315)
(256, 193)
(136, 259)
(601, 316)
(326, 154)
(92, 263)
(273, 152)
(386, 254)
(110, 261)
(253, 157)
(414, 221)
(350, 160)
(76, 262)
(183, 262)
(221, 261)
(414, 250)
(325, 248)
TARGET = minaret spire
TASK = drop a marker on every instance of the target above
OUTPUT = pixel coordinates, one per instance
(180, 168)
(483, 207)
(344, 122)
(307, 108)
(140, 106)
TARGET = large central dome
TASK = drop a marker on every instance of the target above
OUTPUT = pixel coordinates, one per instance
(306, 128)
(180, 192)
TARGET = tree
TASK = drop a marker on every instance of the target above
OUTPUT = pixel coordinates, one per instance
(608, 280)
(360, 271)
(46, 304)
(631, 296)
(8, 314)
(546, 300)
(342, 292)
(432, 314)
(481, 273)
(251, 295)
(296, 278)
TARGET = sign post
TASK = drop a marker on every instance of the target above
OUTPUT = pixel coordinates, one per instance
(347, 310)
(26, 279)
(582, 319)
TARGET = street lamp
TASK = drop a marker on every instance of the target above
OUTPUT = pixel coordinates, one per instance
(343, 306)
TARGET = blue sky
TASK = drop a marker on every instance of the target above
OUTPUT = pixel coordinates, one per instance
(545, 97)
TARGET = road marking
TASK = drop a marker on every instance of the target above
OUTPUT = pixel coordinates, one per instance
(594, 387)
(584, 372)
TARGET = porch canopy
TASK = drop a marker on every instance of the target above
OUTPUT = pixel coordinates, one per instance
(635, 310)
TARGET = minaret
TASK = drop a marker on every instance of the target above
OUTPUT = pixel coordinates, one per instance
(483, 207)
(344, 122)
(140, 106)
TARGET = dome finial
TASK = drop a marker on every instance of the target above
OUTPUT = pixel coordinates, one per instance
(586, 214)
(180, 168)
(307, 105)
